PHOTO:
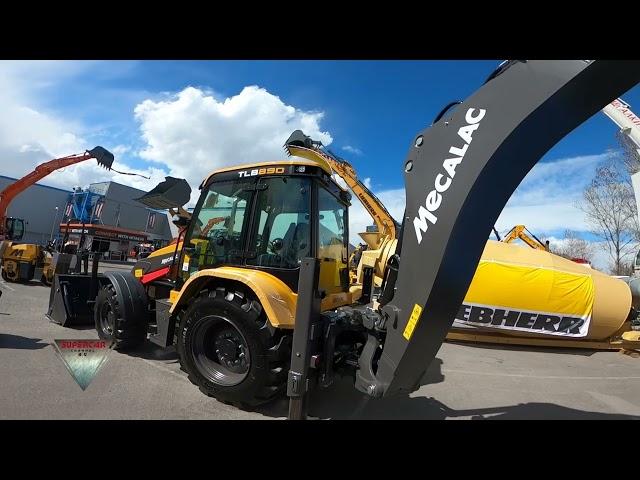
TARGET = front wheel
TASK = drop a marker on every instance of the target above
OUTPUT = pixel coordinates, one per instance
(230, 351)
(111, 324)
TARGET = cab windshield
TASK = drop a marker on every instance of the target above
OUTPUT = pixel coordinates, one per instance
(218, 226)
(265, 223)
(15, 228)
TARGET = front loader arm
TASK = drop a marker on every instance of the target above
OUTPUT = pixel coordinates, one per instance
(459, 174)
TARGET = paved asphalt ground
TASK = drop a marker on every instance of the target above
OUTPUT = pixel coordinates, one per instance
(465, 381)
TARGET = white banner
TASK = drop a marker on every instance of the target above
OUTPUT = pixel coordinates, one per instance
(500, 318)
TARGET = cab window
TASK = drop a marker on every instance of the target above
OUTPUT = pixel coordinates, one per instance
(15, 227)
(282, 236)
(220, 220)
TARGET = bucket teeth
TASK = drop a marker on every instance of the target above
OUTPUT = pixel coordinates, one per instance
(103, 156)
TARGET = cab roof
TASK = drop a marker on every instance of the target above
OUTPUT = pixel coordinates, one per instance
(292, 161)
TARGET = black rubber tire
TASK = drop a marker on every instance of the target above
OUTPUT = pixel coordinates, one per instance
(126, 333)
(7, 279)
(269, 348)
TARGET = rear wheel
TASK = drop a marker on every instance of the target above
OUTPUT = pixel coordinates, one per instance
(230, 351)
(112, 325)
(11, 274)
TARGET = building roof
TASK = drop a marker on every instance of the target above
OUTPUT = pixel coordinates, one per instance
(38, 184)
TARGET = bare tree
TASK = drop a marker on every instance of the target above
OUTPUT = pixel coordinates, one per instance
(630, 158)
(630, 154)
(609, 205)
(573, 246)
(626, 269)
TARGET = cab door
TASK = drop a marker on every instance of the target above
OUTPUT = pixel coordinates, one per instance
(332, 241)
(282, 222)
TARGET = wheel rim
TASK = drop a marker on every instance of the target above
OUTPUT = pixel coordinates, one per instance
(107, 319)
(220, 351)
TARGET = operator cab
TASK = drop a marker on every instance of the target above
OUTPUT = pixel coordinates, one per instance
(14, 228)
(269, 218)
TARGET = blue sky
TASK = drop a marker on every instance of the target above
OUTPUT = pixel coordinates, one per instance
(370, 109)
(375, 106)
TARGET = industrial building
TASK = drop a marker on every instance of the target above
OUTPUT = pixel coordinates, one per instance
(113, 221)
(41, 207)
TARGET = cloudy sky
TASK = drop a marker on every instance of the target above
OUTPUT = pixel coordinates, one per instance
(187, 118)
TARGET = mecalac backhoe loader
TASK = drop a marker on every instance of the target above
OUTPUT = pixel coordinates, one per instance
(265, 250)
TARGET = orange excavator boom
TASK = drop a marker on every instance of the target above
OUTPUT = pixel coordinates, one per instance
(103, 156)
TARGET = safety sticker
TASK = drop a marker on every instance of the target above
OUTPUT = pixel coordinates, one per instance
(413, 321)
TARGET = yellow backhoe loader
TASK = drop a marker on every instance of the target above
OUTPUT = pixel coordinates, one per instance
(256, 293)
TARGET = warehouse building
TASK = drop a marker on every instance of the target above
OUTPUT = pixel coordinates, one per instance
(41, 207)
(112, 220)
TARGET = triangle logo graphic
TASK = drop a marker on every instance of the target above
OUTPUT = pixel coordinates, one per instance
(83, 358)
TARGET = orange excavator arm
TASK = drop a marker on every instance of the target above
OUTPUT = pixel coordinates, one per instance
(103, 156)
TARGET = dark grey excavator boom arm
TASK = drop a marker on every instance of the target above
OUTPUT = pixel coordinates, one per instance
(459, 174)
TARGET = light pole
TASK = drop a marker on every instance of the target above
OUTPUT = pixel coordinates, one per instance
(53, 224)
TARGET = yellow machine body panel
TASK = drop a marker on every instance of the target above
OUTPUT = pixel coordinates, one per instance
(23, 252)
(166, 250)
(277, 299)
(331, 266)
(532, 288)
(548, 291)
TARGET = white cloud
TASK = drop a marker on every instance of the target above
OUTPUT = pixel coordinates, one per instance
(187, 135)
(367, 182)
(350, 149)
(545, 200)
(30, 136)
(120, 150)
(193, 133)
